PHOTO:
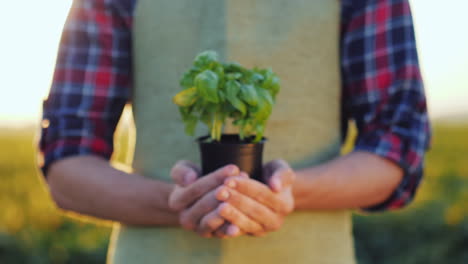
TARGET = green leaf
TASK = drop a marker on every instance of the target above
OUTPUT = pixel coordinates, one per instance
(264, 106)
(259, 129)
(233, 67)
(190, 120)
(232, 90)
(235, 114)
(221, 96)
(205, 58)
(206, 118)
(187, 79)
(207, 85)
(265, 95)
(271, 83)
(257, 78)
(185, 97)
(249, 94)
(185, 112)
(207, 112)
(233, 76)
(218, 68)
(214, 91)
(275, 85)
(247, 127)
(190, 125)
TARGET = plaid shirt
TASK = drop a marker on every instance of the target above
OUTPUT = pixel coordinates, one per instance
(382, 87)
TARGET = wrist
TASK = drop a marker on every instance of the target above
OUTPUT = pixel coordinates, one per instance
(158, 202)
(157, 194)
(304, 188)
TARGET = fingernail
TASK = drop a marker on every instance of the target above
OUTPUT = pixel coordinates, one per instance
(224, 195)
(233, 230)
(232, 170)
(189, 177)
(276, 184)
(232, 184)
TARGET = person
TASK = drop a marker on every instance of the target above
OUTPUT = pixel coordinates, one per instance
(338, 61)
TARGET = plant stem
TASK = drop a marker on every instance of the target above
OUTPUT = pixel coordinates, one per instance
(219, 126)
(213, 127)
(216, 126)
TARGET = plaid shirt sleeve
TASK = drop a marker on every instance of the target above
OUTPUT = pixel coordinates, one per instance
(91, 82)
(382, 89)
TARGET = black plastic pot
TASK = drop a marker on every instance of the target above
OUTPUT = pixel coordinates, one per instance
(246, 155)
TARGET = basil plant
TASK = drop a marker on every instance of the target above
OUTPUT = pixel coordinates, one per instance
(214, 91)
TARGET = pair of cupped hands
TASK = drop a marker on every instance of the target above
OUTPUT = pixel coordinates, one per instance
(227, 203)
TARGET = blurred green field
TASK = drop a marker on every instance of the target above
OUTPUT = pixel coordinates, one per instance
(434, 229)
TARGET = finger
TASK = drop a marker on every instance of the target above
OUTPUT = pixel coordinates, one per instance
(191, 217)
(282, 179)
(210, 223)
(234, 231)
(277, 164)
(244, 175)
(258, 192)
(269, 220)
(183, 198)
(279, 175)
(221, 232)
(233, 215)
(270, 167)
(228, 230)
(185, 172)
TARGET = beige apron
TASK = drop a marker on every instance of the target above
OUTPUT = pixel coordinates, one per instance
(299, 40)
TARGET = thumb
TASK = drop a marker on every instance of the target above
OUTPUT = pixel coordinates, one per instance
(283, 177)
(184, 172)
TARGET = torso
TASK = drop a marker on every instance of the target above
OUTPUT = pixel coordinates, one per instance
(299, 40)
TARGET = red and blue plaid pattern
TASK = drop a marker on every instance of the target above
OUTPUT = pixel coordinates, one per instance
(382, 87)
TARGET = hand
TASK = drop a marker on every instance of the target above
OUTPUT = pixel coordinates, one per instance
(256, 208)
(195, 198)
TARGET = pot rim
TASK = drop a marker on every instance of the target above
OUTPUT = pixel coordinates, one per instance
(201, 139)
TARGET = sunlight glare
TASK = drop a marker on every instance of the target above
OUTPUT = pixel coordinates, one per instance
(32, 32)
(441, 28)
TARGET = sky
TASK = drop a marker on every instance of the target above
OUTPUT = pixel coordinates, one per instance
(31, 31)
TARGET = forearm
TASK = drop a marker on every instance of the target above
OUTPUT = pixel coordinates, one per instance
(356, 180)
(89, 185)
